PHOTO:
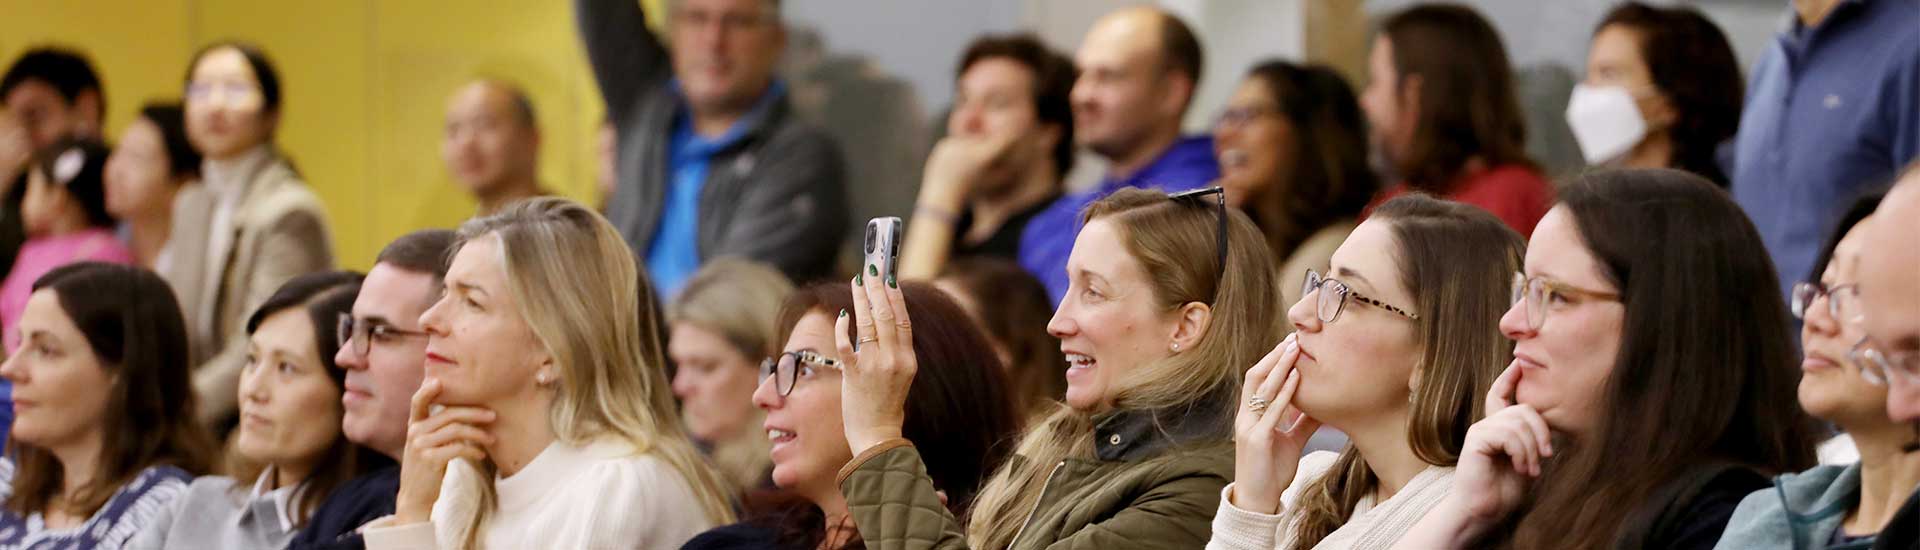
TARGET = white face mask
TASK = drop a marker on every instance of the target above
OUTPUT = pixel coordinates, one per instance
(1605, 121)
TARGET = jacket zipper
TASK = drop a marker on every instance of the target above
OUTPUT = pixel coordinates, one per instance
(1044, 485)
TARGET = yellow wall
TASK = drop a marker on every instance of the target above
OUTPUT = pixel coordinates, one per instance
(365, 87)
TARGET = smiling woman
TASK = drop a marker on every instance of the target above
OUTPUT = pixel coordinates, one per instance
(1157, 325)
(288, 446)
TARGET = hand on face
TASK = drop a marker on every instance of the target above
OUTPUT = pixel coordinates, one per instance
(1502, 455)
(1267, 451)
(435, 438)
(875, 379)
(959, 161)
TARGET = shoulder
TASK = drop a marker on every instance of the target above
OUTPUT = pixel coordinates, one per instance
(1508, 178)
(281, 193)
(789, 136)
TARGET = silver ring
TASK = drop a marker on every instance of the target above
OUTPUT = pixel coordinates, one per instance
(1256, 404)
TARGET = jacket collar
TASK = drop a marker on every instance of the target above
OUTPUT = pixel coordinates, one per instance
(767, 110)
(1819, 493)
(1136, 434)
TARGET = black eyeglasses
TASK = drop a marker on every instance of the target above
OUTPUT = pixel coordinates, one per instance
(1220, 209)
(786, 368)
(359, 335)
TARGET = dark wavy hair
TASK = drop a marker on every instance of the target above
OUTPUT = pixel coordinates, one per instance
(1329, 179)
(1690, 61)
(1053, 77)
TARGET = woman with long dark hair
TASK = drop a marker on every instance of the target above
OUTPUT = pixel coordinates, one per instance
(103, 434)
(1650, 365)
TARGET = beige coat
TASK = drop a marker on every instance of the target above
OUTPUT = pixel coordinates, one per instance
(279, 231)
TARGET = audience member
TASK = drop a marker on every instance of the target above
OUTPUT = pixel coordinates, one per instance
(66, 218)
(1292, 145)
(492, 144)
(540, 422)
(1840, 505)
(1445, 262)
(289, 441)
(722, 325)
(1650, 363)
(1833, 108)
(1663, 90)
(257, 226)
(48, 94)
(1011, 309)
(1887, 293)
(152, 167)
(711, 160)
(104, 436)
(1169, 295)
(961, 411)
(1443, 116)
(382, 351)
(1139, 68)
(1008, 148)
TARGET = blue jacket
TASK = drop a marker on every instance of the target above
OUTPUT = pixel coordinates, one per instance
(1800, 512)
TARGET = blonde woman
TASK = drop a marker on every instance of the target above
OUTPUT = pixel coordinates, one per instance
(721, 326)
(1393, 346)
(1156, 328)
(550, 391)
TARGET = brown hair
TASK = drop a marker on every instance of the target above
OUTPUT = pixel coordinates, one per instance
(322, 297)
(959, 413)
(1457, 261)
(1705, 366)
(134, 326)
(1014, 310)
(1176, 241)
(1467, 102)
(1053, 77)
(1690, 62)
(1329, 179)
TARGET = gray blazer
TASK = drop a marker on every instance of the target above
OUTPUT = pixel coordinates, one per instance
(280, 231)
(777, 196)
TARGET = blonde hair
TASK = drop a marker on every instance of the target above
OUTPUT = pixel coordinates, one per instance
(579, 289)
(740, 301)
(1176, 242)
(1457, 262)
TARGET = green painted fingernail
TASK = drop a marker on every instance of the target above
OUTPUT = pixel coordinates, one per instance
(843, 313)
(872, 270)
(857, 281)
(891, 283)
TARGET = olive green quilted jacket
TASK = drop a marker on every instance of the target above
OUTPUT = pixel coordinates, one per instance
(1150, 486)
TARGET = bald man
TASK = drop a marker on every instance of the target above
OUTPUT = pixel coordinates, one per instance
(492, 144)
(1139, 68)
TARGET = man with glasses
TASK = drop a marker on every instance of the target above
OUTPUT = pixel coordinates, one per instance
(384, 353)
(1888, 301)
(711, 160)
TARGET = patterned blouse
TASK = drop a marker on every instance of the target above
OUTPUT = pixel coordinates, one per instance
(152, 490)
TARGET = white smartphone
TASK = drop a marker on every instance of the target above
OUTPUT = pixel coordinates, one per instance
(883, 245)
